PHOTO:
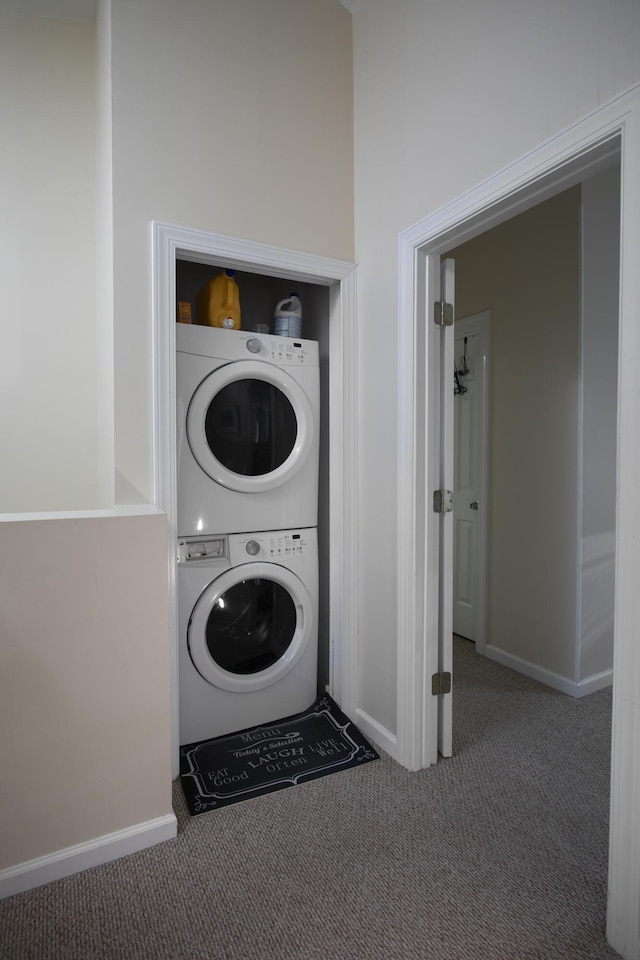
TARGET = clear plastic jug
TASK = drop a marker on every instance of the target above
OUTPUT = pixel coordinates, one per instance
(287, 319)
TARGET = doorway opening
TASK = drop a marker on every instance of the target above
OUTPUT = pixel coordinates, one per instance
(421, 248)
(534, 515)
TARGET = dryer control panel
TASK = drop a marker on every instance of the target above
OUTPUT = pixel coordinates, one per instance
(225, 345)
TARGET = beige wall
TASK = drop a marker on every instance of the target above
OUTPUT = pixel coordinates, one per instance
(526, 272)
(234, 117)
(446, 95)
(48, 362)
(84, 686)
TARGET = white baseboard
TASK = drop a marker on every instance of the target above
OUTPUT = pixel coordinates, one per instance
(64, 863)
(596, 682)
(375, 731)
(555, 680)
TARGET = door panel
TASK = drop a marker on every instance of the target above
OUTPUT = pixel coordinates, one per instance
(463, 550)
(470, 471)
(445, 605)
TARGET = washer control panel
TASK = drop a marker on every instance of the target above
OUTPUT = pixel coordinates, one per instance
(272, 546)
(198, 549)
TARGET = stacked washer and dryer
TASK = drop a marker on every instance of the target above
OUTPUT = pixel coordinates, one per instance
(248, 409)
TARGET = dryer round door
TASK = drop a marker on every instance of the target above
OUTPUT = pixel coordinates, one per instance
(250, 626)
(250, 426)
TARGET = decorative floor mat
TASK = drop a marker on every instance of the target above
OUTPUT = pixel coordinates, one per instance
(320, 741)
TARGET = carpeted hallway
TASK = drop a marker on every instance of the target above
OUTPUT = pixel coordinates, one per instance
(497, 854)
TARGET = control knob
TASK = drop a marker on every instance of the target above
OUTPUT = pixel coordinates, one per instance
(253, 548)
(254, 345)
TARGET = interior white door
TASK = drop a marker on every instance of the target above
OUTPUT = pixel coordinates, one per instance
(445, 600)
(471, 427)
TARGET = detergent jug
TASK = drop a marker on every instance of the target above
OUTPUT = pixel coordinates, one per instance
(287, 319)
(218, 303)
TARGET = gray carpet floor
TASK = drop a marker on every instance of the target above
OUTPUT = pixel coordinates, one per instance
(498, 853)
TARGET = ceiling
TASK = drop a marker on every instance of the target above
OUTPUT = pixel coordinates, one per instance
(61, 9)
(85, 9)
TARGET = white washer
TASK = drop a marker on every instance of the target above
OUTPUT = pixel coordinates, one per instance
(248, 408)
(247, 630)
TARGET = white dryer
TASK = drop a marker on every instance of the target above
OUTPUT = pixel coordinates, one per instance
(247, 630)
(248, 409)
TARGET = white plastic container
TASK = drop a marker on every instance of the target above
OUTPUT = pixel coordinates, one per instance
(287, 319)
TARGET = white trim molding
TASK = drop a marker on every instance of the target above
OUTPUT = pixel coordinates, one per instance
(566, 685)
(82, 856)
(380, 736)
(343, 520)
(170, 243)
(581, 150)
(598, 681)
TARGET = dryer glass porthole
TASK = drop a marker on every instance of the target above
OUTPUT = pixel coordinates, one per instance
(250, 427)
(250, 626)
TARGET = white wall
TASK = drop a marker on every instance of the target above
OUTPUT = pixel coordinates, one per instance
(48, 364)
(480, 84)
(104, 255)
(526, 272)
(600, 293)
(83, 622)
(234, 117)
(424, 132)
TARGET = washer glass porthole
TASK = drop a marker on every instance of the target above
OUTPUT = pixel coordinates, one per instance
(251, 626)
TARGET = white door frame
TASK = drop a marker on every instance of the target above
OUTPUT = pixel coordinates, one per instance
(482, 323)
(566, 159)
(170, 243)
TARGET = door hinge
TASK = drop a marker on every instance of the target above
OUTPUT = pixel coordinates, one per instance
(440, 683)
(443, 313)
(442, 501)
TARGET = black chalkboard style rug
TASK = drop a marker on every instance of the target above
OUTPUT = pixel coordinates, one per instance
(320, 741)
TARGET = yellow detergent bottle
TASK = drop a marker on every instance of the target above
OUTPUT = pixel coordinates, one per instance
(218, 303)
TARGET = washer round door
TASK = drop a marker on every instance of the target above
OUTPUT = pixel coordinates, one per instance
(250, 627)
(250, 426)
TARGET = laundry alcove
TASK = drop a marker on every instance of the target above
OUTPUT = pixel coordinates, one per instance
(183, 261)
